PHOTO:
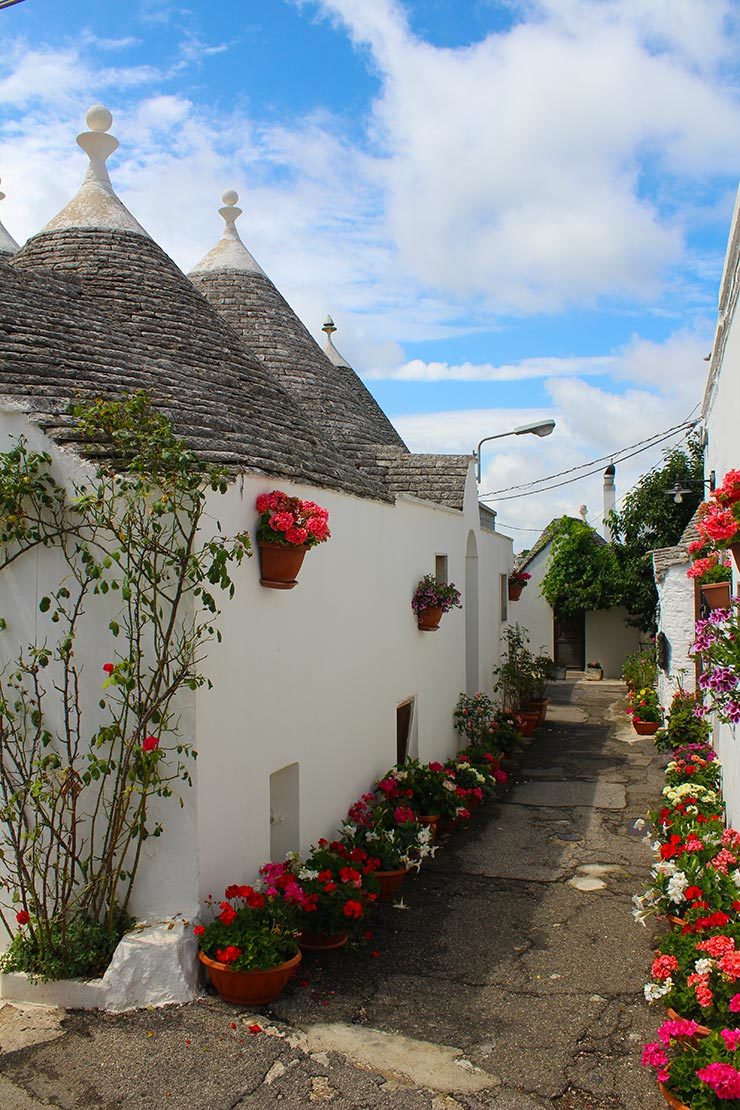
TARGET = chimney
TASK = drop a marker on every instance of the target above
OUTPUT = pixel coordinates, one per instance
(610, 500)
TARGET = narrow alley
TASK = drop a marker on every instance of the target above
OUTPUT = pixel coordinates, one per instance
(509, 977)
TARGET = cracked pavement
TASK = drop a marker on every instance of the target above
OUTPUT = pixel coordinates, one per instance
(511, 980)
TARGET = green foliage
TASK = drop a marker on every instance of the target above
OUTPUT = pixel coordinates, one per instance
(76, 781)
(521, 676)
(682, 727)
(648, 520)
(83, 950)
(640, 669)
(583, 574)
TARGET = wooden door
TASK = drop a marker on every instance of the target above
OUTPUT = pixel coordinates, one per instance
(570, 642)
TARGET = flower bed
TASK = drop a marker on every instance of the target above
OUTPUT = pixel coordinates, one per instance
(695, 882)
(319, 902)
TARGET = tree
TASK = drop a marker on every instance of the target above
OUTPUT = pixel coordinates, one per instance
(583, 573)
(649, 520)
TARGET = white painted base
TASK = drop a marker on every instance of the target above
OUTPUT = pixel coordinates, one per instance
(153, 965)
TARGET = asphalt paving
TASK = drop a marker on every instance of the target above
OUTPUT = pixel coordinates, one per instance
(508, 976)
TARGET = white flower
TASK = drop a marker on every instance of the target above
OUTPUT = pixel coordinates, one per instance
(449, 785)
(676, 887)
(665, 867)
(654, 991)
(425, 834)
(736, 877)
(400, 775)
(371, 835)
(639, 825)
(704, 966)
(348, 830)
(306, 873)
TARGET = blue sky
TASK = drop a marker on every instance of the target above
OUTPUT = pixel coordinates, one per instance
(511, 208)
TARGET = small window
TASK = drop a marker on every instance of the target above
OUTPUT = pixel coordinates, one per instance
(404, 721)
(504, 594)
(284, 812)
(440, 569)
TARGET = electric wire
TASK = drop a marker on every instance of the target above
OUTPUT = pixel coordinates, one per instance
(615, 457)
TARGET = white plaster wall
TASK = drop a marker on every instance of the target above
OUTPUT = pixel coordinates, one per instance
(314, 674)
(609, 639)
(532, 611)
(676, 622)
(166, 879)
(722, 454)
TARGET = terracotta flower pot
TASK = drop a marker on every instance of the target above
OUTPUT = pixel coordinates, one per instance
(540, 705)
(716, 594)
(671, 1099)
(645, 728)
(515, 592)
(428, 619)
(321, 942)
(249, 988)
(279, 565)
(528, 721)
(390, 881)
(432, 821)
(702, 1030)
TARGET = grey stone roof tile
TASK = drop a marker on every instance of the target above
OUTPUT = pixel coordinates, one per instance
(89, 312)
(438, 478)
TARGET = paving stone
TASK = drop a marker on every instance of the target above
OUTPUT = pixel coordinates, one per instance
(598, 795)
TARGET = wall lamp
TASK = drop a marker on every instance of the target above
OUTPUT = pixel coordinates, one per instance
(536, 428)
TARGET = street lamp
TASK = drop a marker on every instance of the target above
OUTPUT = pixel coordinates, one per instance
(536, 428)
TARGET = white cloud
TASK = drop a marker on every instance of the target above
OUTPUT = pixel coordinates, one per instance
(419, 371)
(516, 167)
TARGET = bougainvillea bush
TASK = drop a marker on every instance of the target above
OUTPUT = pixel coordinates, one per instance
(697, 974)
(252, 929)
(704, 1074)
(291, 522)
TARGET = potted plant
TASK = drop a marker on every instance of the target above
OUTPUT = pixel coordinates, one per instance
(388, 829)
(718, 521)
(646, 711)
(594, 672)
(288, 527)
(714, 577)
(431, 599)
(691, 1072)
(331, 893)
(424, 787)
(474, 718)
(518, 579)
(717, 646)
(683, 726)
(249, 950)
(514, 679)
(696, 976)
(541, 673)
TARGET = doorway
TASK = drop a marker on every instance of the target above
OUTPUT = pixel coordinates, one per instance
(570, 642)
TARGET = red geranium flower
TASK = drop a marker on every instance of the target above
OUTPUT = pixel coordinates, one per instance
(352, 909)
(199, 930)
(150, 743)
(23, 917)
(228, 914)
(109, 668)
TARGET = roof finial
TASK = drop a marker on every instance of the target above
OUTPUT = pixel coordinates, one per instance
(230, 213)
(97, 145)
(8, 244)
(330, 350)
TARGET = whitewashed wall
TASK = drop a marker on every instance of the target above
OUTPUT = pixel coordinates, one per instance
(310, 676)
(609, 640)
(676, 622)
(313, 675)
(531, 611)
(722, 417)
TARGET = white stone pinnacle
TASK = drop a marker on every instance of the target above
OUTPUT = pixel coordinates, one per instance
(8, 244)
(330, 350)
(96, 204)
(229, 254)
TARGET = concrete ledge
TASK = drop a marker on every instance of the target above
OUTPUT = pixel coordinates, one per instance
(154, 965)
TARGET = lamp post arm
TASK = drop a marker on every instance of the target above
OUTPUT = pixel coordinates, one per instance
(476, 453)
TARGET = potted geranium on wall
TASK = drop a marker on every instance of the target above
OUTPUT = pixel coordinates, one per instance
(518, 579)
(719, 518)
(288, 527)
(714, 577)
(431, 600)
(250, 949)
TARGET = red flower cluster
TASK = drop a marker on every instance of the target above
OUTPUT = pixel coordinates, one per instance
(228, 955)
(291, 520)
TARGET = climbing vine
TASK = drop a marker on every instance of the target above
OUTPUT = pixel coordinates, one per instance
(132, 557)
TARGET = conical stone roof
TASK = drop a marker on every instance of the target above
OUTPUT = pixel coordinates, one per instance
(334, 396)
(8, 244)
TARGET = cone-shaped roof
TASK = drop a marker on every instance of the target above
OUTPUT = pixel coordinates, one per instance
(8, 244)
(338, 402)
(102, 310)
